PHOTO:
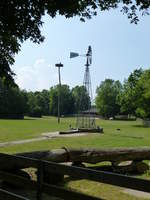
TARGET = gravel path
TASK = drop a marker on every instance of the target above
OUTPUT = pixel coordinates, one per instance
(45, 136)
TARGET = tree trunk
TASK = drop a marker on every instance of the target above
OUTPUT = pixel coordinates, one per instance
(91, 155)
(84, 155)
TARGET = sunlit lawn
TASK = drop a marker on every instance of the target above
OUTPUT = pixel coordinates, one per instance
(30, 127)
(131, 134)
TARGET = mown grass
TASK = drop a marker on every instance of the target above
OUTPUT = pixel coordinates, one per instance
(130, 134)
(30, 127)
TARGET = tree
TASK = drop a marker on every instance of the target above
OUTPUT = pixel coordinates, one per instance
(34, 110)
(129, 94)
(53, 104)
(143, 90)
(81, 98)
(45, 103)
(22, 20)
(66, 100)
(25, 96)
(12, 101)
(106, 99)
(37, 103)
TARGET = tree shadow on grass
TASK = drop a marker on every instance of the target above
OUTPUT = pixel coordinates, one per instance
(128, 136)
(140, 126)
(133, 137)
(30, 119)
(9, 119)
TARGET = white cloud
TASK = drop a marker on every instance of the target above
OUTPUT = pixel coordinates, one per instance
(39, 62)
(37, 76)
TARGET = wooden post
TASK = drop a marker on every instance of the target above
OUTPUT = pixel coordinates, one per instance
(59, 65)
(40, 171)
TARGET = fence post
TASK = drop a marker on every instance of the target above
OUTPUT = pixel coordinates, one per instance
(40, 174)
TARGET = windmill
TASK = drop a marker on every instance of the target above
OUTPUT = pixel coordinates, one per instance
(84, 119)
(87, 78)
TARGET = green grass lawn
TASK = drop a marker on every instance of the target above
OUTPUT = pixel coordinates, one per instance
(131, 134)
(30, 127)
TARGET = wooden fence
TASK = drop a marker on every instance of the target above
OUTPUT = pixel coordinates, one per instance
(41, 187)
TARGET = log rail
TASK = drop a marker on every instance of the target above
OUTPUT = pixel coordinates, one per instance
(90, 155)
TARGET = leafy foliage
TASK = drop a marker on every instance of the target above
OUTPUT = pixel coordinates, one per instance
(66, 100)
(106, 99)
(37, 103)
(12, 102)
(143, 90)
(129, 95)
(81, 98)
(132, 98)
(22, 20)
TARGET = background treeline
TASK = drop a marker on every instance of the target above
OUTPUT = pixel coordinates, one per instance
(132, 98)
(15, 103)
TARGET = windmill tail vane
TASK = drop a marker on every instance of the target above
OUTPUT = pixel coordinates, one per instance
(88, 54)
(73, 54)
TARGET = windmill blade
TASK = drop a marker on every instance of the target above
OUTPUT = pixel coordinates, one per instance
(89, 54)
(89, 59)
(73, 54)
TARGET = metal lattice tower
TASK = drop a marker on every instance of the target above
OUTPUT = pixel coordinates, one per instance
(85, 119)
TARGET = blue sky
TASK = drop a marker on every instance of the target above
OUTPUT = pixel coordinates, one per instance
(118, 48)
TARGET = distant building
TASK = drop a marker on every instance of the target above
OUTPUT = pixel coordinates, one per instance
(92, 111)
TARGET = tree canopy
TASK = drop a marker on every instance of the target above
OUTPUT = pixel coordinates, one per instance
(12, 102)
(113, 98)
(129, 94)
(22, 20)
(106, 99)
(132, 98)
(66, 100)
(81, 98)
(143, 91)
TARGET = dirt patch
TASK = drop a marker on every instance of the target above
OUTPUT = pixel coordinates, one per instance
(56, 134)
(45, 136)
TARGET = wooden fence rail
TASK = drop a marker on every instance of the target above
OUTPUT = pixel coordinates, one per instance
(10, 196)
(44, 166)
